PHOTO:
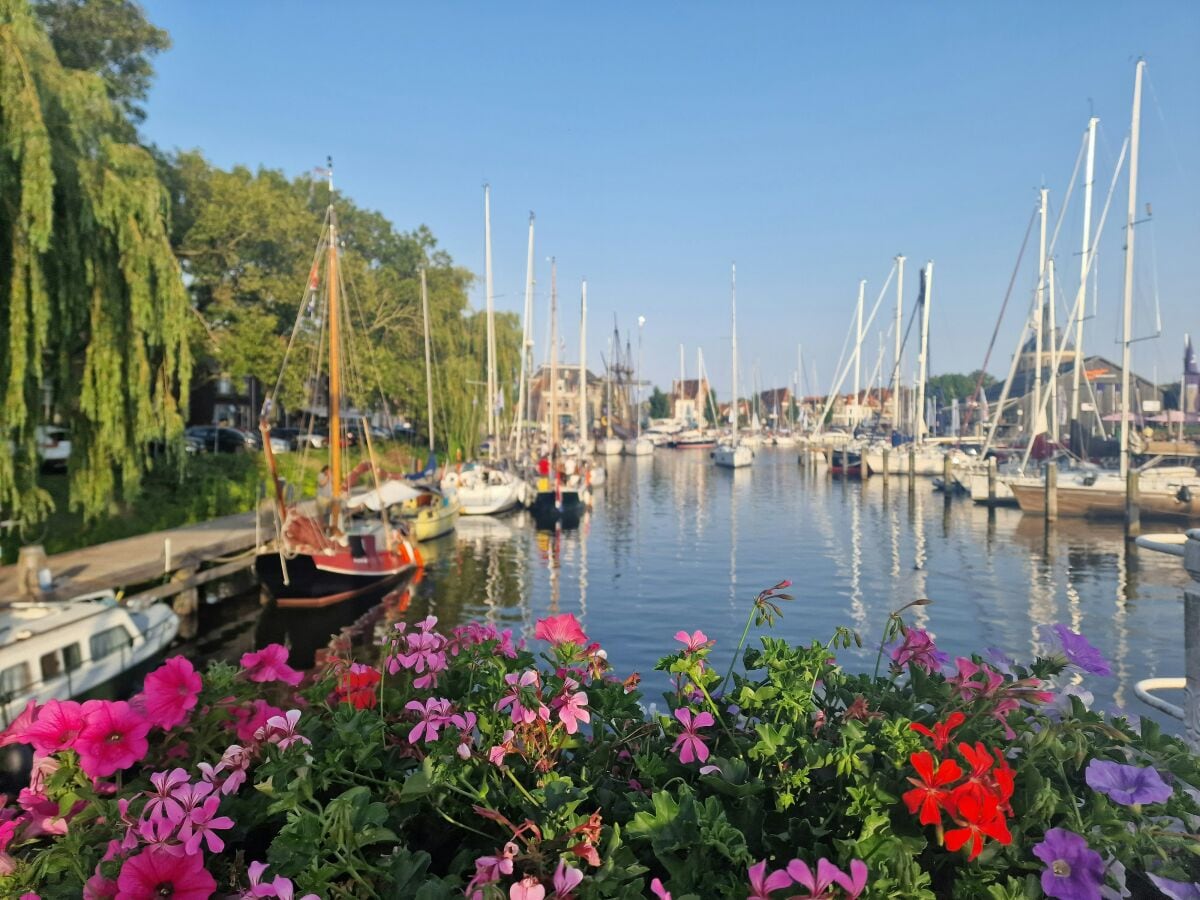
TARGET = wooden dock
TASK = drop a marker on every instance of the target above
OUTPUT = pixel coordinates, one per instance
(138, 560)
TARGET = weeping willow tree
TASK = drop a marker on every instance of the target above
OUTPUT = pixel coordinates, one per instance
(93, 312)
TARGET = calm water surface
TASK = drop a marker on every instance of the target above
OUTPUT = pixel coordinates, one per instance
(674, 542)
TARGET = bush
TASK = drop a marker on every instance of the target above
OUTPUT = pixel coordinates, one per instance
(463, 762)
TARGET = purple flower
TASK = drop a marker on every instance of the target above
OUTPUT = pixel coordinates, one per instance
(1176, 890)
(1074, 871)
(917, 649)
(1127, 784)
(1080, 652)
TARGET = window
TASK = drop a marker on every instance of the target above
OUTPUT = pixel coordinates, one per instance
(72, 657)
(14, 679)
(109, 641)
(51, 665)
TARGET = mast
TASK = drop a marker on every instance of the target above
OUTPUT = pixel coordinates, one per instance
(733, 344)
(428, 358)
(1053, 418)
(583, 416)
(1035, 424)
(335, 364)
(1084, 262)
(923, 361)
(491, 320)
(858, 328)
(608, 389)
(637, 378)
(899, 342)
(525, 396)
(1134, 130)
(553, 355)
(681, 377)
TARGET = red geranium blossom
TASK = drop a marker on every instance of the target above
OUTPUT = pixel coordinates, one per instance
(562, 629)
(157, 873)
(940, 735)
(113, 737)
(170, 692)
(980, 816)
(930, 793)
(357, 686)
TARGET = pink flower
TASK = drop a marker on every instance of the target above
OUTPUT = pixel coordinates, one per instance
(113, 737)
(917, 649)
(528, 888)
(573, 711)
(58, 724)
(163, 800)
(761, 884)
(497, 753)
(815, 885)
(656, 888)
(566, 879)
(170, 692)
(156, 873)
(280, 888)
(15, 733)
(562, 629)
(250, 720)
(99, 888)
(203, 826)
(235, 761)
(697, 640)
(161, 833)
(690, 745)
(270, 664)
(281, 730)
(488, 869)
(434, 712)
(526, 683)
(854, 883)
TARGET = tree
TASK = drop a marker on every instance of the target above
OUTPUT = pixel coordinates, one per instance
(94, 311)
(660, 404)
(956, 386)
(110, 38)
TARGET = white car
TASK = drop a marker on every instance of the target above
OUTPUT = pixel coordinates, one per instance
(53, 445)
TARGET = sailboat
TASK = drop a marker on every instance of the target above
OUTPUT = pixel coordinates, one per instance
(325, 551)
(609, 445)
(484, 489)
(638, 445)
(1168, 492)
(732, 453)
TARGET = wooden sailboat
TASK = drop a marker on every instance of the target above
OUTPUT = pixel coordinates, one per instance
(732, 453)
(609, 445)
(325, 552)
(638, 445)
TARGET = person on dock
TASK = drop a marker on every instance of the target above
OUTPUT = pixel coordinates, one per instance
(324, 491)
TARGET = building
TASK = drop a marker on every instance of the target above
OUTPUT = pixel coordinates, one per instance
(688, 399)
(775, 406)
(566, 397)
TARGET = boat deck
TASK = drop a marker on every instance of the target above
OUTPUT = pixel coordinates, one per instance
(139, 559)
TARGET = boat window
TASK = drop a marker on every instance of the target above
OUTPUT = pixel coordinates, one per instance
(109, 641)
(14, 679)
(51, 665)
(72, 657)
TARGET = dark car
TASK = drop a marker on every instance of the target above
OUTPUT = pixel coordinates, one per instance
(219, 439)
(291, 435)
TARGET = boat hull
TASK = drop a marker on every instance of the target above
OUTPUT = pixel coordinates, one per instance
(564, 511)
(308, 586)
(846, 464)
(609, 447)
(1090, 503)
(736, 457)
(640, 447)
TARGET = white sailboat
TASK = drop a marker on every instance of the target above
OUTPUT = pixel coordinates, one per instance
(609, 445)
(732, 453)
(638, 445)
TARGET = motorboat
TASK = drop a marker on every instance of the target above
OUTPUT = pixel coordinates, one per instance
(733, 455)
(483, 490)
(1164, 492)
(641, 446)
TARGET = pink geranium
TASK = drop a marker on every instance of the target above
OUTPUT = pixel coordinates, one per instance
(270, 664)
(528, 888)
(113, 737)
(58, 724)
(562, 629)
(157, 873)
(434, 713)
(690, 745)
(281, 730)
(251, 718)
(171, 692)
(202, 826)
(697, 640)
(99, 888)
(573, 710)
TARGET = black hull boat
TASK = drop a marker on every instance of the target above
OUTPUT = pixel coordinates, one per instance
(562, 511)
(846, 464)
(307, 586)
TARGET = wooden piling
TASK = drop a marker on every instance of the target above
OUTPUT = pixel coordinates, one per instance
(991, 475)
(1133, 512)
(912, 469)
(886, 454)
(1051, 492)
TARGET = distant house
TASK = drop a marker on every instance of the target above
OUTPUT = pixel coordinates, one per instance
(774, 405)
(688, 398)
(566, 396)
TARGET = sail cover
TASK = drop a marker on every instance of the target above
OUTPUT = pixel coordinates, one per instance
(390, 493)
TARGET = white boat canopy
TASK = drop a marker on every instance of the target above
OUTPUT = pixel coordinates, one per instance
(390, 493)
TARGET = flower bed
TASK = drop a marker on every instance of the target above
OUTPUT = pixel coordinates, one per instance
(465, 763)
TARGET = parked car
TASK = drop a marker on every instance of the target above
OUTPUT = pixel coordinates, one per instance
(317, 438)
(403, 430)
(53, 446)
(289, 435)
(220, 439)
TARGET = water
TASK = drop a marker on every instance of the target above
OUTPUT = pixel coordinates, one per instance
(675, 543)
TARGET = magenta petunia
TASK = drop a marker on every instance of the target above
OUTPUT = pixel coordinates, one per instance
(270, 664)
(171, 692)
(113, 737)
(251, 718)
(157, 873)
(58, 724)
(15, 732)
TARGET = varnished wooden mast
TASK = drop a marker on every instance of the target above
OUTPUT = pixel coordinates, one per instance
(335, 367)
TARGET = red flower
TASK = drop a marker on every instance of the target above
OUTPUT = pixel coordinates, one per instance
(113, 737)
(159, 873)
(357, 686)
(930, 792)
(170, 692)
(980, 816)
(941, 730)
(563, 629)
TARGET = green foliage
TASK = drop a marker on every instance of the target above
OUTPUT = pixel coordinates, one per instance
(660, 404)
(957, 386)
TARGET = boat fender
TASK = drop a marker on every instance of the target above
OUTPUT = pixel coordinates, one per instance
(1184, 495)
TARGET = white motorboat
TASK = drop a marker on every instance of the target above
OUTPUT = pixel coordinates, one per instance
(61, 649)
(733, 456)
(639, 447)
(483, 490)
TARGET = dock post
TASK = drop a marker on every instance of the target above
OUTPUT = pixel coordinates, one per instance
(947, 477)
(166, 556)
(1133, 512)
(1191, 641)
(912, 469)
(1051, 492)
(991, 475)
(886, 454)
(186, 605)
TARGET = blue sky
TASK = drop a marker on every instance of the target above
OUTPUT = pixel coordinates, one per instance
(659, 142)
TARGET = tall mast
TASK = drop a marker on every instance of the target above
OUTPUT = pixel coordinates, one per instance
(428, 357)
(1035, 425)
(553, 355)
(923, 361)
(524, 394)
(608, 388)
(1131, 212)
(491, 321)
(701, 405)
(1053, 418)
(858, 328)
(584, 431)
(1088, 179)
(733, 344)
(899, 342)
(681, 378)
(335, 362)
(637, 378)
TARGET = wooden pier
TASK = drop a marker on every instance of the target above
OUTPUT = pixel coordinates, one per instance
(176, 553)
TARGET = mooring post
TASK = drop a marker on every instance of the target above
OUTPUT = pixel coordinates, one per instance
(912, 469)
(886, 454)
(166, 556)
(991, 475)
(947, 477)
(1051, 492)
(1133, 512)
(1191, 641)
